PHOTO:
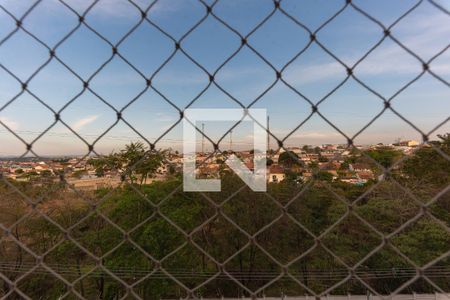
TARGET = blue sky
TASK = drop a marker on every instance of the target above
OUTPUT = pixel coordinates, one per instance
(426, 103)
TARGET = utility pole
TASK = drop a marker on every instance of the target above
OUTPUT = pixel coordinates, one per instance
(203, 138)
(231, 140)
(268, 135)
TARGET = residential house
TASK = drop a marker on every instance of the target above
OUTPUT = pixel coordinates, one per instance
(276, 173)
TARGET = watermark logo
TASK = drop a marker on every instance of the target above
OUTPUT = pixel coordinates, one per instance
(255, 179)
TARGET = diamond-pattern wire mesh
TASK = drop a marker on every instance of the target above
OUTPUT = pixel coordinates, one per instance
(417, 271)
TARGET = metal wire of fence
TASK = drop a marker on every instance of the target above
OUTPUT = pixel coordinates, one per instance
(348, 272)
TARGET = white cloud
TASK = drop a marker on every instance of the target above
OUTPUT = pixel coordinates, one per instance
(310, 134)
(13, 125)
(313, 73)
(120, 8)
(164, 117)
(423, 34)
(312, 138)
(179, 77)
(106, 8)
(83, 122)
(317, 135)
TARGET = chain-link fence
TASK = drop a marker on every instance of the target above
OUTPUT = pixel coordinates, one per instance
(308, 235)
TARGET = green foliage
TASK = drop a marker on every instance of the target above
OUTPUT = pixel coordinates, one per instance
(136, 161)
(428, 165)
(79, 173)
(423, 241)
(314, 165)
(46, 173)
(292, 176)
(323, 159)
(288, 159)
(345, 165)
(385, 156)
(324, 176)
(164, 222)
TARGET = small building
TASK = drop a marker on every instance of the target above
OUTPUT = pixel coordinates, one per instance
(408, 143)
(365, 175)
(360, 167)
(250, 165)
(306, 175)
(276, 174)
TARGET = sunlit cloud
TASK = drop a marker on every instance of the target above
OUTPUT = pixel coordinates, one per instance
(317, 135)
(83, 122)
(11, 124)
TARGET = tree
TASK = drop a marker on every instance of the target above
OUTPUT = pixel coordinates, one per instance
(32, 174)
(46, 173)
(172, 170)
(323, 158)
(166, 226)
(134, 161)
(313, 165)
(79, 173)
(344, 166)
(385, 156)
(324, 176)
(149, 164)
(428, 166)
(111, 162)
(288, 159)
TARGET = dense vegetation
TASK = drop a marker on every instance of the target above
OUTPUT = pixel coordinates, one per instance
(139, 232)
